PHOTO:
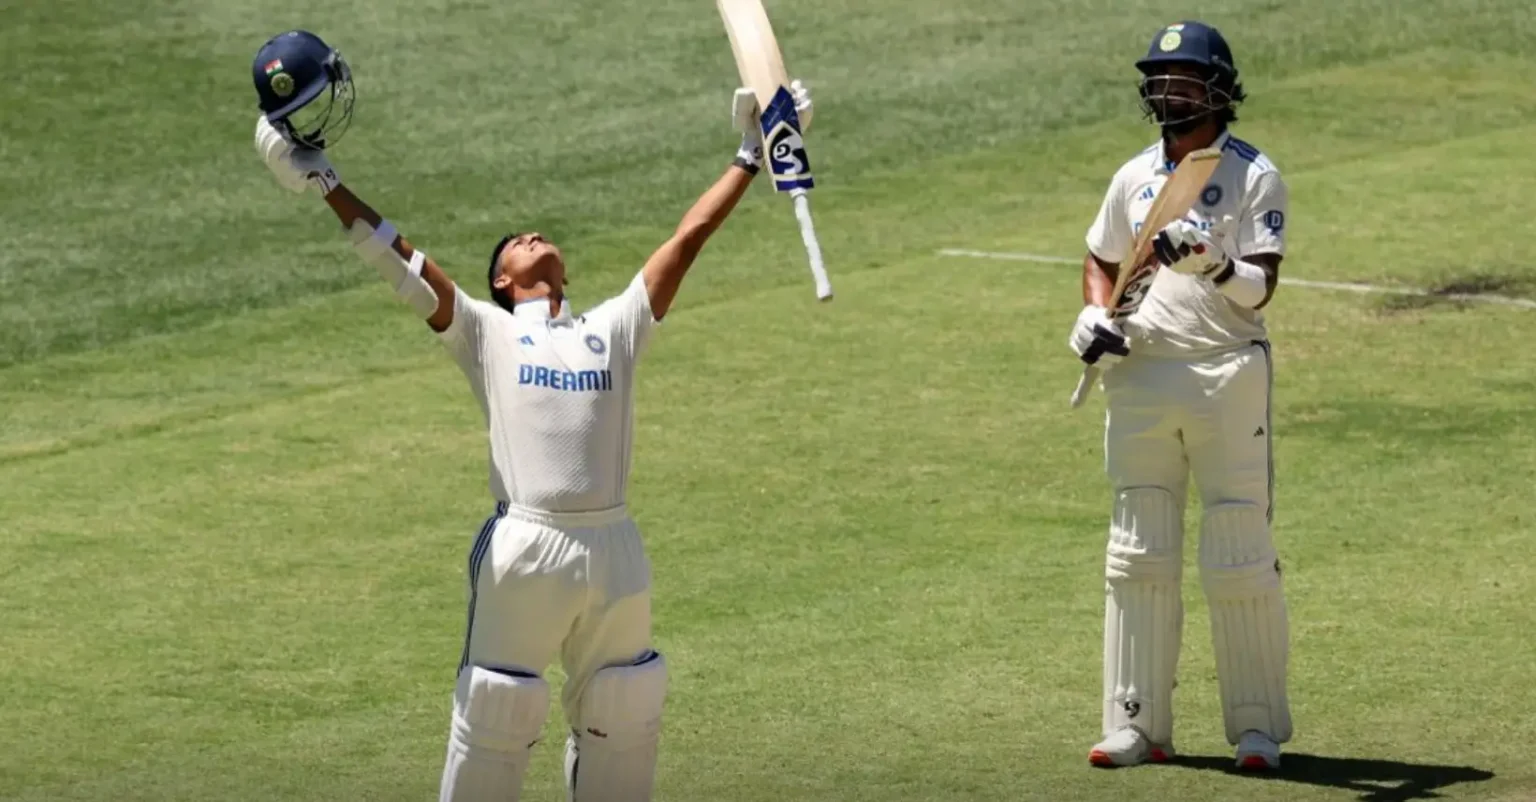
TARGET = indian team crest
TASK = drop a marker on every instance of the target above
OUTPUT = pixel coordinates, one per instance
(1211, 195)
(282, 84)
(595, 344)
(1172, 38)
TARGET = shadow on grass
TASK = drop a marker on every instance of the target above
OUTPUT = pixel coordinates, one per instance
(1375, 780)
(1451, 291)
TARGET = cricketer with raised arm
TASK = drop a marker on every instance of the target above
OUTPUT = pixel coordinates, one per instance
(1187, 380)
(558, 570)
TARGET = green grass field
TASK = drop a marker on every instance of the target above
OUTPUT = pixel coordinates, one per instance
(238, 480)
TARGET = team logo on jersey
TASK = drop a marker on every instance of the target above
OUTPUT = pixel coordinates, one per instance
(1211, 196)
(1274, 220)
(595, 344)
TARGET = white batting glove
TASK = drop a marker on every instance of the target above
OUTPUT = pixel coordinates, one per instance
(746, 118)
(803, 106)
(1096, 339)
(296, 168)
(1183, 248)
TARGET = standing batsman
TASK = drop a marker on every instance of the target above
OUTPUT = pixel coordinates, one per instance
(1187, 384)
(558, 570)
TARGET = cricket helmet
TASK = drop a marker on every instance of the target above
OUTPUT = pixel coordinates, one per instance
(291, 71)
(1191, 44)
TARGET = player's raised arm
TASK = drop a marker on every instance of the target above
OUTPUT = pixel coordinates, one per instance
(414, 277)
(1250, 278)
(304, 89)
(664, 271)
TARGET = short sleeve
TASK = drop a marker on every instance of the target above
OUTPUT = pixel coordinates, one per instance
(1110, 237)
(464, 336)
(1261, 228)
(628, 318)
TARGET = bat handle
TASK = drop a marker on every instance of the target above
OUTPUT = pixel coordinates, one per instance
(812, 247)
(1084, 384)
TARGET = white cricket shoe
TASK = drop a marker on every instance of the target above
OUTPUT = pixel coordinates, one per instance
(1129, 746)
(1257, 752)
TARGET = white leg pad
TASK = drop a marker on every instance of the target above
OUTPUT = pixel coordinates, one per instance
(1249, 629)
(612, 757)
(1143, 612)
(497, 718)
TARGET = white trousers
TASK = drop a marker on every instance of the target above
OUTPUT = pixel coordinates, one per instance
(543, 586)
(1169, 419)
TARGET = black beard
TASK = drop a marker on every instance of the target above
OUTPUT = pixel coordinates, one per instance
(1183, 127)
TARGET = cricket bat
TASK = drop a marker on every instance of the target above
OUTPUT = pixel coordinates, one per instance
(1137, 270)
(761, 67)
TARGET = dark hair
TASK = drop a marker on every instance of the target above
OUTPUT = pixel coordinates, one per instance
(502, 298)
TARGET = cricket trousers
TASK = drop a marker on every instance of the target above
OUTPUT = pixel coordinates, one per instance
(1169, 420)
(569, 586)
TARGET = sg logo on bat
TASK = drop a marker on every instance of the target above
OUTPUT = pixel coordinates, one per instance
(787, 160)
(1135, 292)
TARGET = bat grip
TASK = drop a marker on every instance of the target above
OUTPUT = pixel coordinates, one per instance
(1084, 384)
(812, 247)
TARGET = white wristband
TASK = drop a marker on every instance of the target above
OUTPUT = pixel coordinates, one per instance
(1247, 284)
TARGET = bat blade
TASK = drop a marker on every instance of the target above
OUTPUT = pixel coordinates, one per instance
(1137, 271)
(756, 49)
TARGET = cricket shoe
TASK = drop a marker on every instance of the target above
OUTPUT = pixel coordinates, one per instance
(1128, 747)
(1257, 752)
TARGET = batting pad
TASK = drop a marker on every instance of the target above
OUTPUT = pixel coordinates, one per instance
(1249, 630)
(1143, 612)
(497, 718)
(612, 756)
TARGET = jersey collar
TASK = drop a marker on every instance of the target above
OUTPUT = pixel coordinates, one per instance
(1162, 166)
(538, 309)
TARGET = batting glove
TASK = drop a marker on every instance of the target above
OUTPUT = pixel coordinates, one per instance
(1096, 339)
(745, 117)
(296, 168)
(1183, 248)
(803, 106)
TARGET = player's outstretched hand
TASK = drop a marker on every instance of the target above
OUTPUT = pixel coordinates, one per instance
(296, 168)
(1096, 339)
(1183, 248)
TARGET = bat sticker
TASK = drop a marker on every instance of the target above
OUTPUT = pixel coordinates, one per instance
(784, 146)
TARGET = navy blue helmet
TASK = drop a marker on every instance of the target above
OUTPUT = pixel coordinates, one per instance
(292, 71)
(1182, 102)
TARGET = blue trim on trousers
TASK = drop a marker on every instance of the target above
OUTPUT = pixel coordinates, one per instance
(477, 552)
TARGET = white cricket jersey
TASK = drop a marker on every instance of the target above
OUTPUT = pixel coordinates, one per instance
(557, 394)
(1182, 315)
